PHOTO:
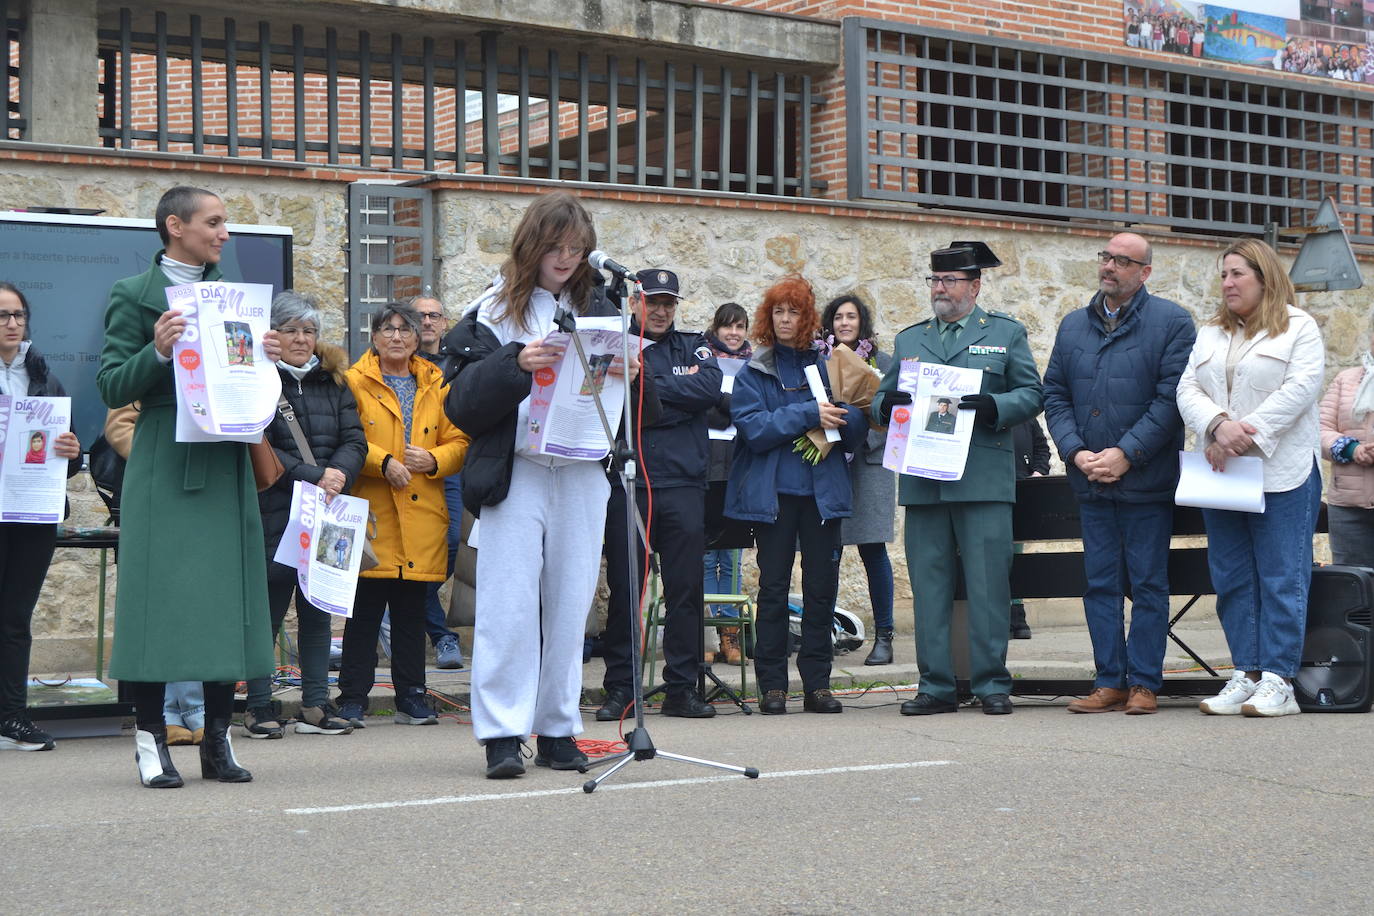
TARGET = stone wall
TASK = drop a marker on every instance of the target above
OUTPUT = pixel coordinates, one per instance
(723, 250)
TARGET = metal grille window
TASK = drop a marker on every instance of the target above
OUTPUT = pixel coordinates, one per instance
(12, 123)
(474, 102)
(1017, 128)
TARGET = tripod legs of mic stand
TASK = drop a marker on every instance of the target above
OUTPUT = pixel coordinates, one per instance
(641, 747)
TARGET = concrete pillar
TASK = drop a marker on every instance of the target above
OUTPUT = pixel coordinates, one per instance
(60, 70)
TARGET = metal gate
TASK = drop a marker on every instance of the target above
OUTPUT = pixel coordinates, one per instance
(390, 252)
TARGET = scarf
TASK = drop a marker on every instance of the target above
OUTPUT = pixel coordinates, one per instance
(1364, 395)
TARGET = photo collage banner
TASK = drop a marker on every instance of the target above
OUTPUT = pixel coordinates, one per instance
(1330, 38)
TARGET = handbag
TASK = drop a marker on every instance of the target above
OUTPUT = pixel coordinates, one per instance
(288, 413)
(267, 467)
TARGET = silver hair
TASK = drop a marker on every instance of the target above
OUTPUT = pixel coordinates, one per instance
(408, 315)
(289, 305)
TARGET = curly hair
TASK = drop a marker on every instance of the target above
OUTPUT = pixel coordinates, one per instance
(792, 291)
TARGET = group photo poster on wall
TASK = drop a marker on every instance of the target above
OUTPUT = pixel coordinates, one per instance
(1329, 38)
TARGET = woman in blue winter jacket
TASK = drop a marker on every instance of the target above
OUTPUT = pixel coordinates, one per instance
(790, 499)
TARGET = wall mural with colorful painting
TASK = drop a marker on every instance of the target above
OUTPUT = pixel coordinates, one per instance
(1331, 38)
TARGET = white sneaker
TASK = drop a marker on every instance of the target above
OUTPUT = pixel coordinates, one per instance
(1228, 703)
(1273, 697)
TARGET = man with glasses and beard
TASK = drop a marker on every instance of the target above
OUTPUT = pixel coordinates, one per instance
(1109, 400)
(968, 519)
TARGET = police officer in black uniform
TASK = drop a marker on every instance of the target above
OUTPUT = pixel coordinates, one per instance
(674, 463)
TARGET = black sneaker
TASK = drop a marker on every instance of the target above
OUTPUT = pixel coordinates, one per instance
(17, 733)
(353, 714)
(261, 722)
(559, 754)
(414, 709)
(686, 704)
(617, 698)
(503, 758)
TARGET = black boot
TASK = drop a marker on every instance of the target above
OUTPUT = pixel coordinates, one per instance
(1019, 628)
(881, 653)
(155, 768)
(217, 756)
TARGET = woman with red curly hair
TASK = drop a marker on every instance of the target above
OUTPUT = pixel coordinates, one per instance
(790, 499)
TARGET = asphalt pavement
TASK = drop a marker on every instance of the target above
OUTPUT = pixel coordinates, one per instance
(1042, 811)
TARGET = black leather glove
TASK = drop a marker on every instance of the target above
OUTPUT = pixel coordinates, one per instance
(983, 405)
(890, 400)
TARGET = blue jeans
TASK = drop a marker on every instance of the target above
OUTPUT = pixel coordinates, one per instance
(185, 704)
(722, 577)
(436, 615)
(878, 568)
(1261, 567)
(1127, 543)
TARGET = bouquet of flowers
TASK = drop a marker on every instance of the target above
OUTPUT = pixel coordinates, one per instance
(852, 381)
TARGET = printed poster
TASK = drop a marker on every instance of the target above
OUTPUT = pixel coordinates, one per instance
(324, 542)
(227, 388)
(33, 481)
(563, 419)
(930, 436)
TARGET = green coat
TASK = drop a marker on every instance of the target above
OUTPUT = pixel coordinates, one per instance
(995, 343)
(191, 603)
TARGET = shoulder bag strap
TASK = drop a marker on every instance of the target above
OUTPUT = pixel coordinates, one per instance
(288, 413)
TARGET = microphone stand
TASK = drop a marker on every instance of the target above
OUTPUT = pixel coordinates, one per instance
(639, 744)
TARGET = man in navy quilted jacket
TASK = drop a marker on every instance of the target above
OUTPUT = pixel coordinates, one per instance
(1109, 404)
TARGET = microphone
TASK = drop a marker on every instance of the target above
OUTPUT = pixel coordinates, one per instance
(602, 261)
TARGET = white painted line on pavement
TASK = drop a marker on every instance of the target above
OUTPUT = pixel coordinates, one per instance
(615, 786)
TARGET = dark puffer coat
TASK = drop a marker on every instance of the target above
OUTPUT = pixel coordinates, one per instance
(1116, 388)
(328, 416)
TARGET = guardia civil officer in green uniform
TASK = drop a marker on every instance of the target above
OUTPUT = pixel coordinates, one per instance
(969, 518)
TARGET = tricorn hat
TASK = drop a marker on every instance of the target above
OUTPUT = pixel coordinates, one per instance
(964, 256)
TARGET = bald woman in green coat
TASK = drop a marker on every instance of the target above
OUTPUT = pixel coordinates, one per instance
(191, 603)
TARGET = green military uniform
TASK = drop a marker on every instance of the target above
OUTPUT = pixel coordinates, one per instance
(969, 518)
(940, 422)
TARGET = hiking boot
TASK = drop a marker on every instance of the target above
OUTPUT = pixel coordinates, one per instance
(730, 651)
(774, 703)
(821, 701)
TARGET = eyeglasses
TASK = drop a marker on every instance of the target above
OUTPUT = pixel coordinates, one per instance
(946, 282)
(431, 316)
(394, 331)
(291, 330)
(660, 306)
(567, 251)
(1120, 260)
(18, 318)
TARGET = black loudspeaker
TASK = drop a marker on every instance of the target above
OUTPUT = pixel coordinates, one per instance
(1337, 672)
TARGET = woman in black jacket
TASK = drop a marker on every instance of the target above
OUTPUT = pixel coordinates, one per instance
(312, 382)
(25, 549)
(540, 516)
